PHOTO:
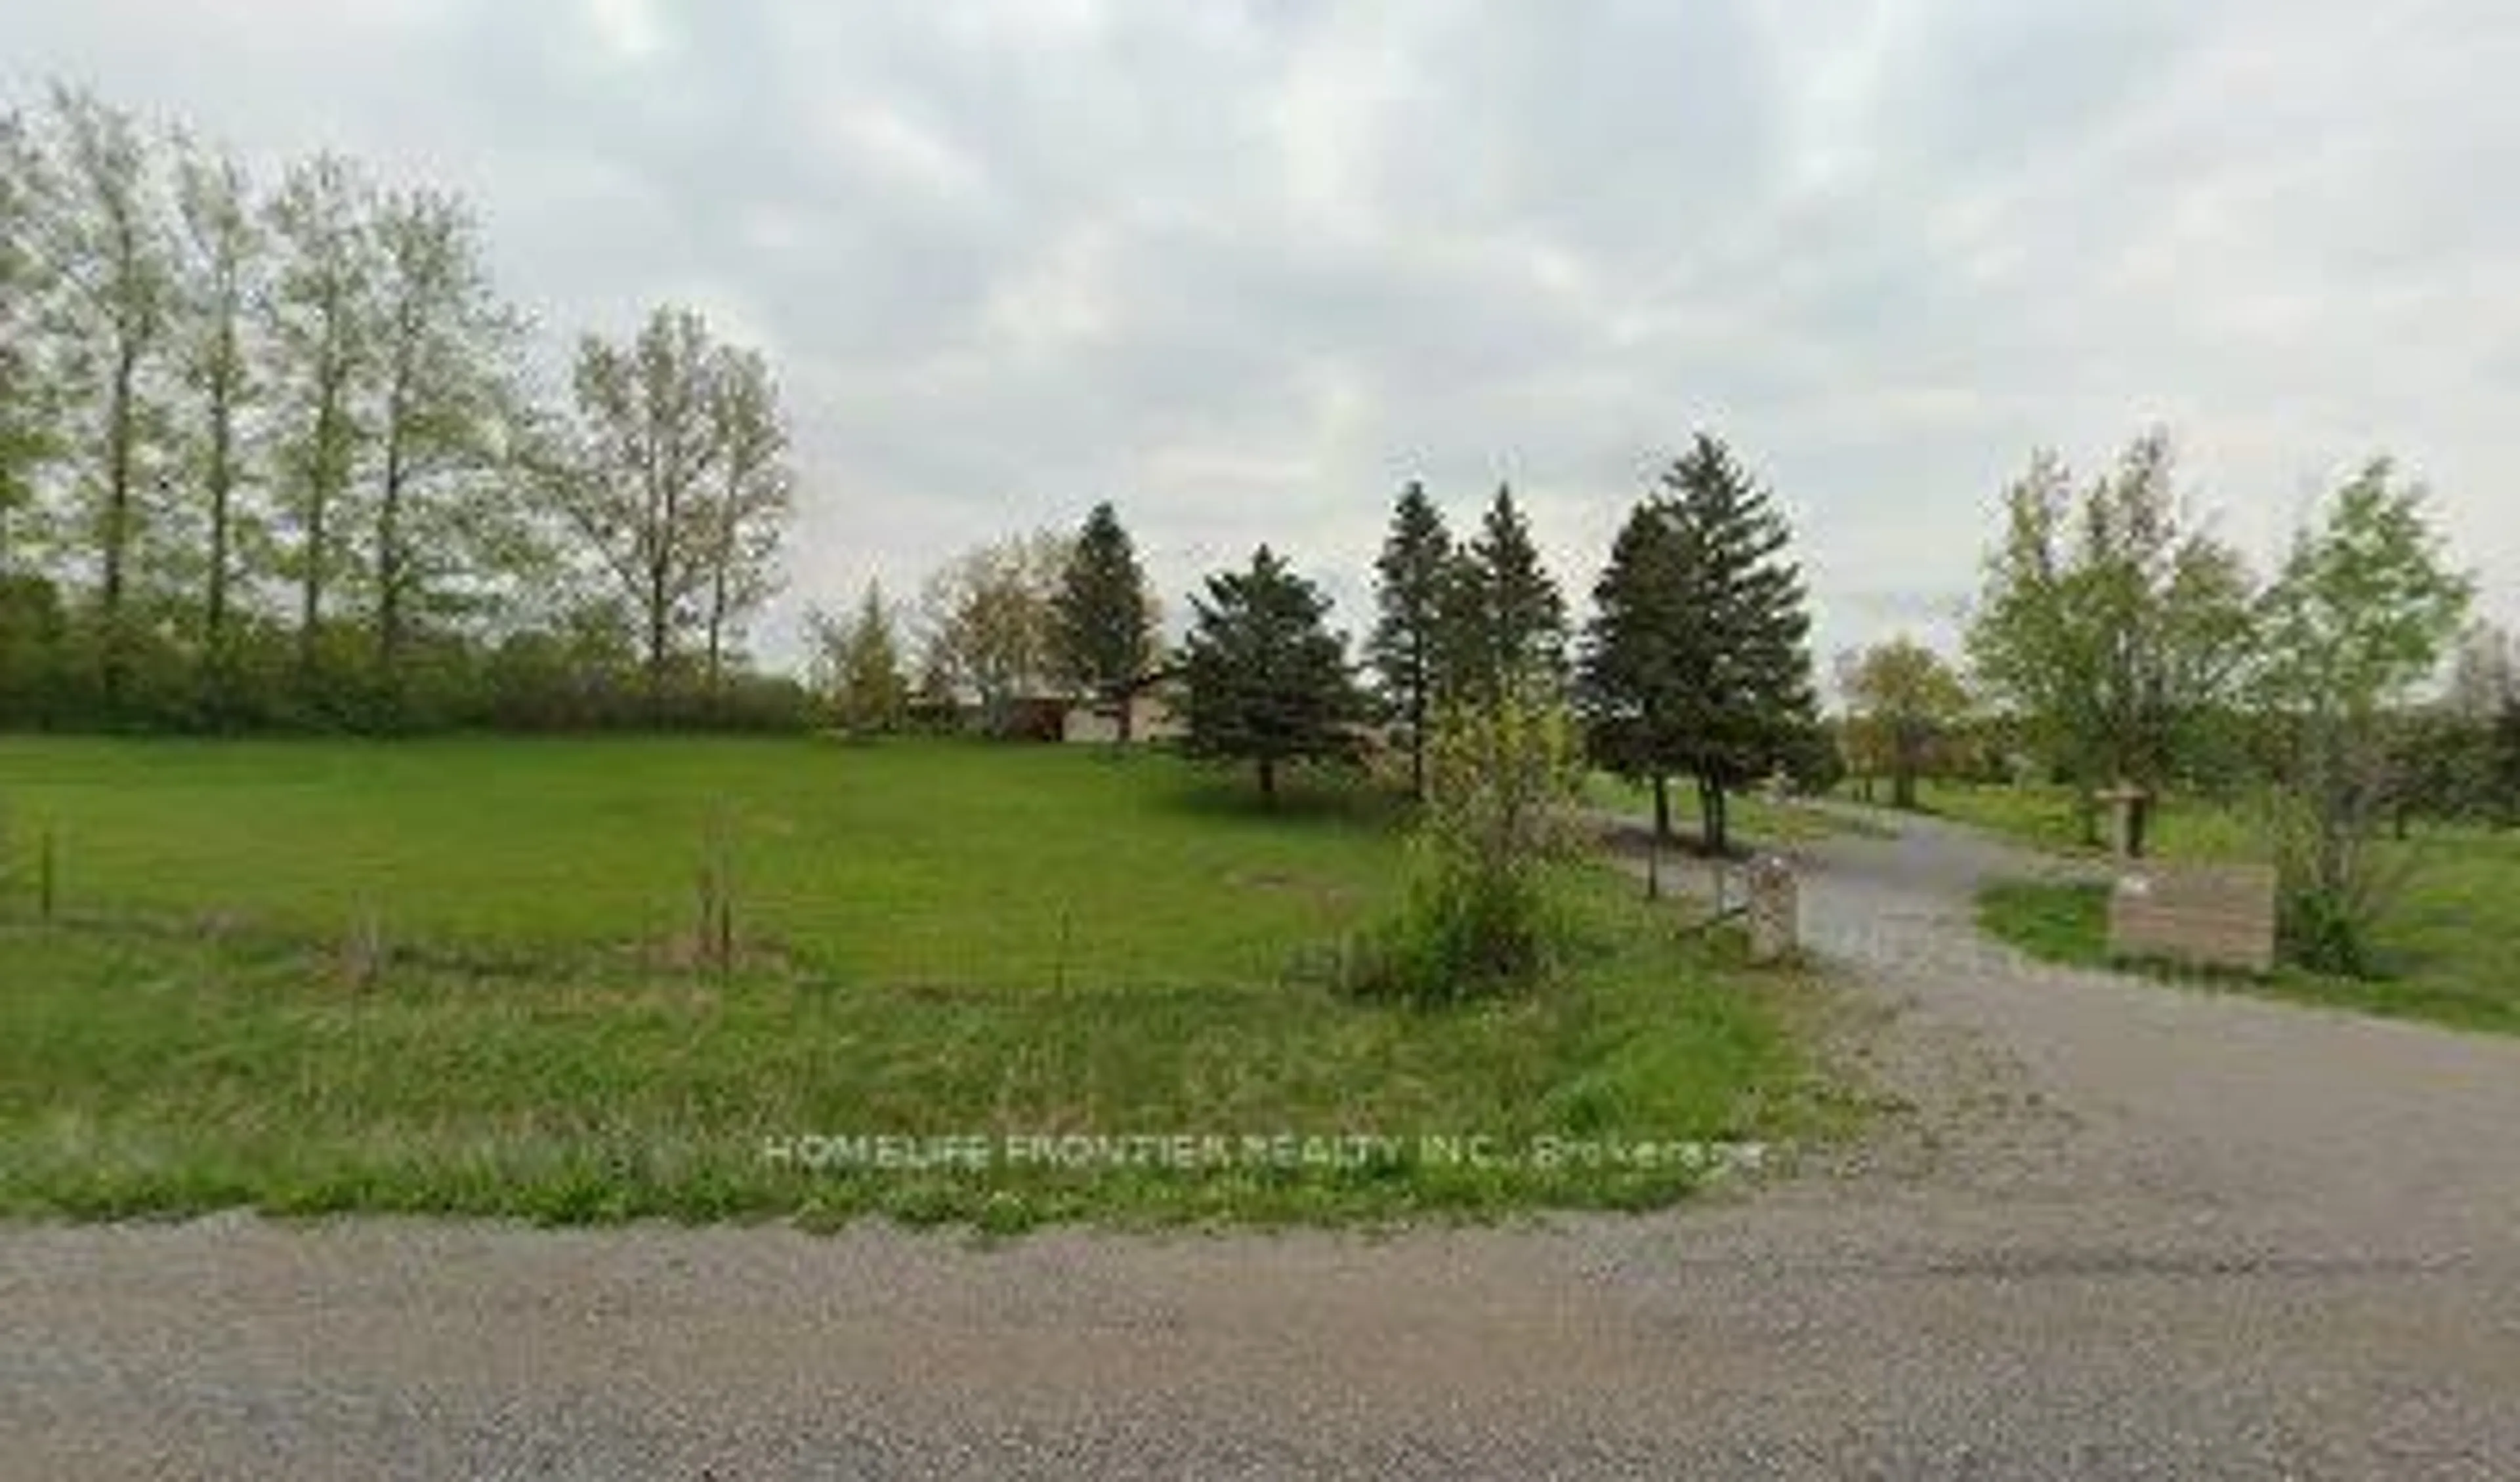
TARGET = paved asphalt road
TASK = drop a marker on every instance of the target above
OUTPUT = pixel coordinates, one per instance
(2132, 1231)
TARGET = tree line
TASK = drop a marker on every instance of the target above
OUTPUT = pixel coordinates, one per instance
(2117, 642)
(1696, 663)
(274, 453)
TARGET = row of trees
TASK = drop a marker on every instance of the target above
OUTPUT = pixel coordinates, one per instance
(1695, 664)
(272, 452)
(2118, 641)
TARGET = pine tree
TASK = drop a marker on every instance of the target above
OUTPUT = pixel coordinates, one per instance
(1101, 620)
(1405, 647)
(1697, 657)
(1268, 681)
(1643, 652)
(1754, 695)
(1524, 616)
(1464, 669)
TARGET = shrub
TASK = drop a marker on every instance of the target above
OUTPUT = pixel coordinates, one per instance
(1477, 920)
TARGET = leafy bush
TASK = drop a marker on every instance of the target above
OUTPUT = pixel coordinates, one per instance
(1477, 917)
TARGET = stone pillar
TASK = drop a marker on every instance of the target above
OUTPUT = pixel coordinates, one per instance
(1774, 911)
(2128, 806)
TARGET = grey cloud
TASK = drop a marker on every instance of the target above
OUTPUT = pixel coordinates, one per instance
(1244, 267)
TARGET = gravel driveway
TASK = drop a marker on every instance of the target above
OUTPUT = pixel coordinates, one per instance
(2130, 1231)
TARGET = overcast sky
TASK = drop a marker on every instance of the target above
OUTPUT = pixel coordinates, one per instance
(1242, 268)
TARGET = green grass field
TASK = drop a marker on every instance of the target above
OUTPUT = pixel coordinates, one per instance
(2049, 817)
(459, 977)
(2441, 947)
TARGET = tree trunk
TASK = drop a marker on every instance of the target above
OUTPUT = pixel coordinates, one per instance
(1128, 716)
(716, 662)
(1268, 781)
(717, 635)
(119, 434)
(1903, 788)
(319, 499)
(658, 616)
(217, 679)
(222, 483)
(1418, 743)
(389, 559)
(1662, 808)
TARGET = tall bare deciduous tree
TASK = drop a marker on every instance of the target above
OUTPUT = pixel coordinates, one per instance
(320, 319)
(109, 259)
(750, 498)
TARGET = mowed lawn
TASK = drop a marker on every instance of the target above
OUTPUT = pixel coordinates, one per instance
(2443, 950)
(459, 976)
(934, 862)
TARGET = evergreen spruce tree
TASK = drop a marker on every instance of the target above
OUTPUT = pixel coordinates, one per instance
(1406, 647)
(1755, 694)
(1102, 630)
(1698, 659)
(1642, 649)
(1464, 659)
(1267, 680)
(1525, 616)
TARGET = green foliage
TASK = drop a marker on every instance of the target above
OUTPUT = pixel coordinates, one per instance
(859, 666)
(1102, 615)
(1902, 700)
(269, 451)
(990, 624)
(1500, 780)
(1696, 660)
(2367, 606)
(2444, 959)
(2053, 922)
(2115, 633)
(1526, 617)
(1266, 680)
(1406, 647)
(2463, 755)
(676, 481)
(2364, 611)
(1501, 623)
